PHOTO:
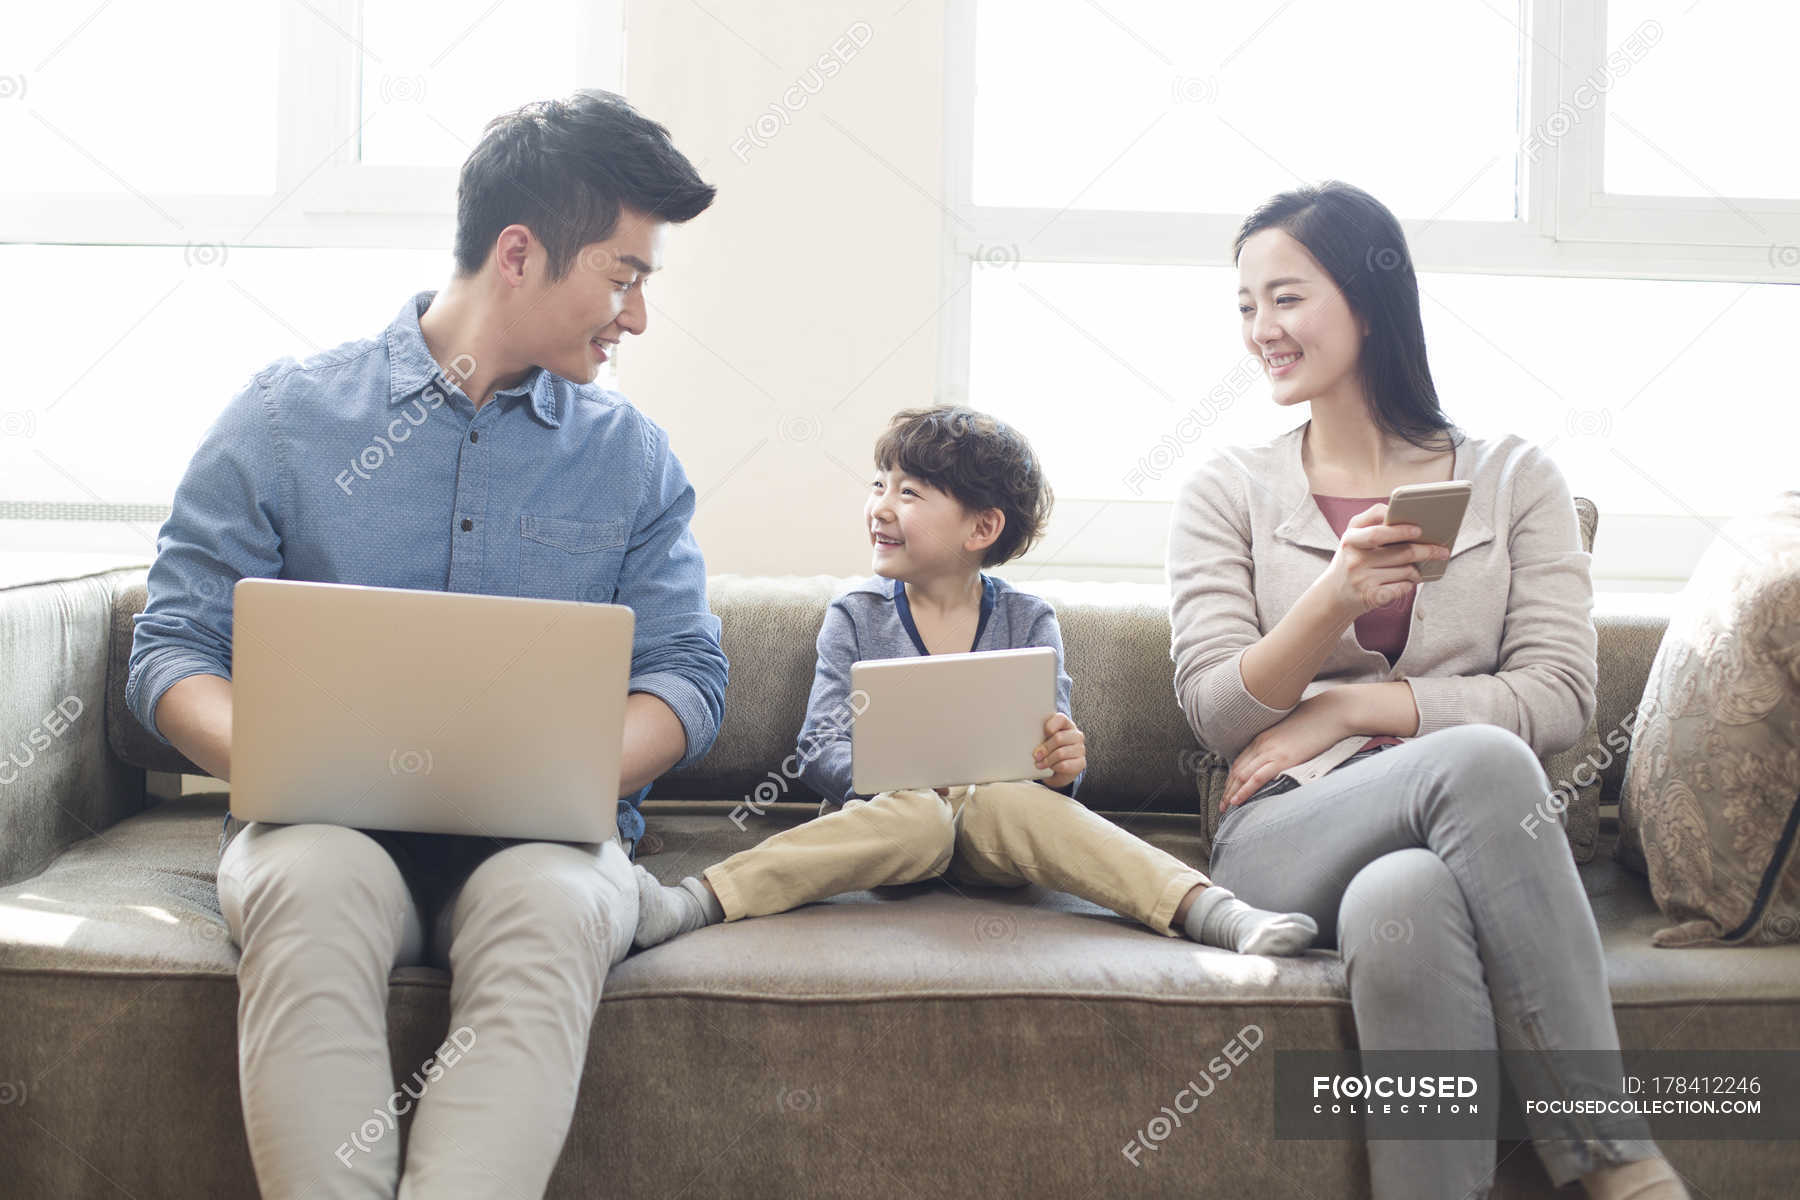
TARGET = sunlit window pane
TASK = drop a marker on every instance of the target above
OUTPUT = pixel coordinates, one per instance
(1708, 109)
(126, 97)
(114, 395)
(434, 74)
(1143, 104)
(1126, 377)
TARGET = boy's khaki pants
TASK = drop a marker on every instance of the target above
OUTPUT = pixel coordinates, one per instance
(990, 834)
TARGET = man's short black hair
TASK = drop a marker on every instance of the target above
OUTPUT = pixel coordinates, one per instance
(563, 169)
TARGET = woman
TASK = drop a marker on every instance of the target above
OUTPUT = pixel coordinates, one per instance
(1385, 736)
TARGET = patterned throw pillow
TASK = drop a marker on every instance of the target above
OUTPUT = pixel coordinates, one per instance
(1711, 802)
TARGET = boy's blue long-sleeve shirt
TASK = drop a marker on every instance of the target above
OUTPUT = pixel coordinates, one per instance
(872, 620)
(364, 465)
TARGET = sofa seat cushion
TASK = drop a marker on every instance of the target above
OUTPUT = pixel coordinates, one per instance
(1642, 973)
(141, 899)
(1051, 1032)
(1116, 641)
(936, 939)
(1024, 939)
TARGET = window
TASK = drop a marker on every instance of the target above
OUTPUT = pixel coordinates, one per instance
(238, 166)
(1598, 235)
(427, 113)
(1147, 125)
(326, 123)
(1681, 155)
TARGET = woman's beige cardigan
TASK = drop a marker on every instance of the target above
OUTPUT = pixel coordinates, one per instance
(1505, 638)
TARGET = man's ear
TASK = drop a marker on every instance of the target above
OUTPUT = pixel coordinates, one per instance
(512, 254)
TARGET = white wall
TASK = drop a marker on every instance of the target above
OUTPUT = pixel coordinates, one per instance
(799, 313)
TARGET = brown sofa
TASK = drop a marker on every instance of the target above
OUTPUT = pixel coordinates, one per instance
(914, 1043)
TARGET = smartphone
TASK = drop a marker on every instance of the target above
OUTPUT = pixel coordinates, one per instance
(1437, 509)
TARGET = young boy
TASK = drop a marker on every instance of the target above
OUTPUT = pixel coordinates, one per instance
(955, 491)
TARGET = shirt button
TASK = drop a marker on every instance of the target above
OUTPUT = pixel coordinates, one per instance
(473, 436)
(467, 525)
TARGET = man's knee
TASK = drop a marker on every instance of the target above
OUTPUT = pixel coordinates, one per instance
(563, 895)
(307, 873)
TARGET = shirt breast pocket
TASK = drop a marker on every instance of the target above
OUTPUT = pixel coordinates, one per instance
(561, 559)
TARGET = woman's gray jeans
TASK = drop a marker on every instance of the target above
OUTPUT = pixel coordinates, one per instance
(1459, 929)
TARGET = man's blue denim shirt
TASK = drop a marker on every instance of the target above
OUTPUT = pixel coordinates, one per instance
(365, 464)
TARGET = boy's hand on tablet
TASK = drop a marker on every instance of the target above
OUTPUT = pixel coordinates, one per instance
(1064, 751)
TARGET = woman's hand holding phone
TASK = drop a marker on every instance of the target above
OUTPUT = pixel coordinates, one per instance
(1375, 563)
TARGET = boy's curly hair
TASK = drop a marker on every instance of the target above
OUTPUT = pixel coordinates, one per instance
(980, 461)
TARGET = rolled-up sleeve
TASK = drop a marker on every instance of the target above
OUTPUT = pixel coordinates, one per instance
(1212, 611)
(224, 525)
(1544, 686)
(675, 653)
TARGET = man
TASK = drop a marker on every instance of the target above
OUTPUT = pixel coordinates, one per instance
(464, 449)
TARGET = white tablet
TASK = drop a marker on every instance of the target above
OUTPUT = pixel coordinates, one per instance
(941, 720)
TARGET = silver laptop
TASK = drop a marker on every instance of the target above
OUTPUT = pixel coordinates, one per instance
(945, 719)
(436, 712)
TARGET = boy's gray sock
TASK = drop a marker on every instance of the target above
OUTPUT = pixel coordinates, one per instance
(664, 912)
(1219, 918)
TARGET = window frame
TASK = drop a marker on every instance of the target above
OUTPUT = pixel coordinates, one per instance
(1733, 238)
(1567, 227)
(324, 196)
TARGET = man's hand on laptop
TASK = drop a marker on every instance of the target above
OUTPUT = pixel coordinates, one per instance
(1064, 751)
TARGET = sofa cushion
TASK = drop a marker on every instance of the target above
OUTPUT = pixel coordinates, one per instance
(141, 900)
(1575, 774)
(142, 897)
(130, 741)
(57, 782)
(1711, 807)
(1116, 637)
(1030, 1024)
(1573, 801)
(1142, 755)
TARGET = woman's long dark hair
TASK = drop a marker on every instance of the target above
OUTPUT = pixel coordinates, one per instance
(1360, 244)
